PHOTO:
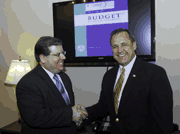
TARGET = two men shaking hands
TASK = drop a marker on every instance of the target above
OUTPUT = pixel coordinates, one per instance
(135, 94)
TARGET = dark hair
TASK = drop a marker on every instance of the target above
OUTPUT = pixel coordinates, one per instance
(43, 44)
(122, 30)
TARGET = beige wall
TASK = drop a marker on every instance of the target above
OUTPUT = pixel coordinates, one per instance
(24, 21)
(168, 46)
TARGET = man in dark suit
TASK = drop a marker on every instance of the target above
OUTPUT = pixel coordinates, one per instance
(44, 95)
(135, 94)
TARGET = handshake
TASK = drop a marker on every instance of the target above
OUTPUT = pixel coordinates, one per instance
(79, 113)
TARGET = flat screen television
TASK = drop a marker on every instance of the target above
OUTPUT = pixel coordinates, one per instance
(85, 29)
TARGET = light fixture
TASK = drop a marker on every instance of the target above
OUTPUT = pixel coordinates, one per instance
(17, 69)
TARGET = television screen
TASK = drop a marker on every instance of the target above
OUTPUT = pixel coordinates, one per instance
(85, 29)
(93, 23)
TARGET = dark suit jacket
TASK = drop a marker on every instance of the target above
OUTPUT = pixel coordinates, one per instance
(146, 104)
(42, 107)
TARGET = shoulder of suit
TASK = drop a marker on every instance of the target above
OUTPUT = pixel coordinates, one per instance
(31, 75)
(151, 66)
(112, 71)
(113, 68)
(64, 75)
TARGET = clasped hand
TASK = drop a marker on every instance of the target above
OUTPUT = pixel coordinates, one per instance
(79, 113)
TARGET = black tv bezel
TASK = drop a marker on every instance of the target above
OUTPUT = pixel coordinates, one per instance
(73, 61)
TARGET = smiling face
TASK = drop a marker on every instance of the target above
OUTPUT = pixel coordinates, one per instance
(123, 49)
(54, 61)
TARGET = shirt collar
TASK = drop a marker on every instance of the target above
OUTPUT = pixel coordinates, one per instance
(51, 75)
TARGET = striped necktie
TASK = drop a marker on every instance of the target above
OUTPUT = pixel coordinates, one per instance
(117, 89)
(61, 89)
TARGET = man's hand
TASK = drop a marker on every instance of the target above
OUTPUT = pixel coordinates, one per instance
(79, 113)
(83, 110)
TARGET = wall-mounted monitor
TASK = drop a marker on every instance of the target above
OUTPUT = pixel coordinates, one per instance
(85, 29)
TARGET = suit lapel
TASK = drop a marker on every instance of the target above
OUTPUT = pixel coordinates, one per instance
(111, 88)
(130, 83)
(50, 83)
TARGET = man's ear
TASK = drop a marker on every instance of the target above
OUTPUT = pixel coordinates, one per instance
(42, 59)
(134, 45)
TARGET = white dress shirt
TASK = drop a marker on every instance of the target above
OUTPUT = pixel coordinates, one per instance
(127, 72)
(51, 75)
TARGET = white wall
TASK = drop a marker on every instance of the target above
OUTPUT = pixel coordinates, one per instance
(23, 22)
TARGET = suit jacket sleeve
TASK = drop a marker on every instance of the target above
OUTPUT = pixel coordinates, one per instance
(35, 105)
(99, 110)
(161, 103)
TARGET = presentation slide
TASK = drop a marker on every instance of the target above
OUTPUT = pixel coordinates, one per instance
(93, 24)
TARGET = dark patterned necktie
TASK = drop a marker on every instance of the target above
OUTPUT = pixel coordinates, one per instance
(61, 89)
(117, 89)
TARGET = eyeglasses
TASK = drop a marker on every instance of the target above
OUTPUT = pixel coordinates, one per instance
(59, 54)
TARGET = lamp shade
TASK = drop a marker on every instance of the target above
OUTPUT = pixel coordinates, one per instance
(16, 71)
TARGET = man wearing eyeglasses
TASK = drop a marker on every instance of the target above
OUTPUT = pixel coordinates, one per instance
(45, 97)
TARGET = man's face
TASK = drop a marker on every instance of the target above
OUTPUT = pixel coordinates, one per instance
(123, 49)
(54, 61)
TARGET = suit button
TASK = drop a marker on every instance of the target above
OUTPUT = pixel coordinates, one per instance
(117, 119)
